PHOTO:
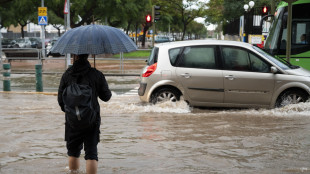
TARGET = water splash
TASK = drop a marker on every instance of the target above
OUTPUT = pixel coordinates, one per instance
(132, 104)
(68, 171)
(292, 110)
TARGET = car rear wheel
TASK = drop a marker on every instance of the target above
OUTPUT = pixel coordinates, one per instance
(165, 94)
(291, 97)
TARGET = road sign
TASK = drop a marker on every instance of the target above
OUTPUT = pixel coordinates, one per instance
(42, 11)
(256, 39)
(42, 20)
(66, 9)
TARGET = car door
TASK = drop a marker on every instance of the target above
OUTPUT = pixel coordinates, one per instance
(247, 77)
(198, 74)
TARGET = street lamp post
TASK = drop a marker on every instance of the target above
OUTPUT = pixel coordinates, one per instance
(43, 34)
(247, 8)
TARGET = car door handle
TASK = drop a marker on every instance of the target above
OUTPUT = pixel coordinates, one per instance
(186, 75)
(230, 77)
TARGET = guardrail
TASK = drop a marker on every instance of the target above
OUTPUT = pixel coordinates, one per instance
(110, 66)
(125, 65)
(22, 54)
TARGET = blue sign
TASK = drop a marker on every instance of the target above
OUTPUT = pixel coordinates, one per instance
(42, 20)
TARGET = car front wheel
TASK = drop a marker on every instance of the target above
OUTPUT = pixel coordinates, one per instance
(291, 97)
(165, 94)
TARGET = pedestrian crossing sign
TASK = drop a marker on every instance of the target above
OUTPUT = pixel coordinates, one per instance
(42, 20)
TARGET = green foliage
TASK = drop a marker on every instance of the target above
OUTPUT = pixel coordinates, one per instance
(221, 11)
(197, 29)
(18, 12)
(179, 14)
(128, 14)
(135, 54)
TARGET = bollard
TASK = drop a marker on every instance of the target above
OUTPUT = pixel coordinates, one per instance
(7, 77)
(39, 85)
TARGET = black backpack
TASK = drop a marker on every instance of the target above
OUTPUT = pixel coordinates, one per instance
(79, 106)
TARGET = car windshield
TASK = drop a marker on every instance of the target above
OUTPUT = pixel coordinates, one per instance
(281, 63)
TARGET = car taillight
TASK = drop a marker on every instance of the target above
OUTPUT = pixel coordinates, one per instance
(149, 71)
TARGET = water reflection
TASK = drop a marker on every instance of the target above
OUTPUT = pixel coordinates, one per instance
(164, 138)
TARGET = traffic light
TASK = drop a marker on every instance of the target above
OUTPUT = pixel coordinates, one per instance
(265, 10)
(148, 18)
(156, 13)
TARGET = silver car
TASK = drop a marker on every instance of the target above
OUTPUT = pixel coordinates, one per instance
(212, 73)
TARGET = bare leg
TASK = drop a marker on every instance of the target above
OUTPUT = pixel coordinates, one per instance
(91, 166)
(74, 163)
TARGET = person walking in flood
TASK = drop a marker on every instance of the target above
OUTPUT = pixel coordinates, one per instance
(78, 93)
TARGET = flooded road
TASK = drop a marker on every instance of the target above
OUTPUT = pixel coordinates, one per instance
(166, 138)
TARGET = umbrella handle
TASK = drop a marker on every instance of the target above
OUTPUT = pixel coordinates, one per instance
(94, 56)
(74, 57)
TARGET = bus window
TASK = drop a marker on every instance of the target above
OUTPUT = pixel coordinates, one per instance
(301, 33)
(283, 39)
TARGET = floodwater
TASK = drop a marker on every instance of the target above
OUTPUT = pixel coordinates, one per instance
(167, 138)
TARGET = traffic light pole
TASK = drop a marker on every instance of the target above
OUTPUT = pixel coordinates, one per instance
(68, 56)
(0, 45)
(153, 26)
(43, 35)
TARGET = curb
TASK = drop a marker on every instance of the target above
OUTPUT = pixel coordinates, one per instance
(20, 92)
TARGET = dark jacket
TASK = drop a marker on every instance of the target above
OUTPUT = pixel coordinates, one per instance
(96, 78)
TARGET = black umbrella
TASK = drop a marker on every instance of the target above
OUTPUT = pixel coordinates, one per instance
(94, 39)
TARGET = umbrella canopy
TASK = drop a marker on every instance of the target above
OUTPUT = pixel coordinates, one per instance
(94, 39)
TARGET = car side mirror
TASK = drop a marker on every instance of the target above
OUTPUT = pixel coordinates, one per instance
(274, 70)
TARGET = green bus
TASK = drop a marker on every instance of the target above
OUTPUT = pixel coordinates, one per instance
(276, 40)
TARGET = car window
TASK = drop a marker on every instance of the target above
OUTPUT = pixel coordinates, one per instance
(284, 65)
(258, 65)
(198, 57)
(235, 59)
(153, 56)
(173, 55)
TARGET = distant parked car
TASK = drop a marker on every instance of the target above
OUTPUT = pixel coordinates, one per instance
(7, 43)
(36, 42)
(161, 39)
(22, 43)
(212, 73)
(49, 47)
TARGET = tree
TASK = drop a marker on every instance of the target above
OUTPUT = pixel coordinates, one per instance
(56, 21)
(185, 12)
(220, 11)
(81, 11)
(197, 29)
(3, 2)
(214, 13)
(27, 12)
(5, 14)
